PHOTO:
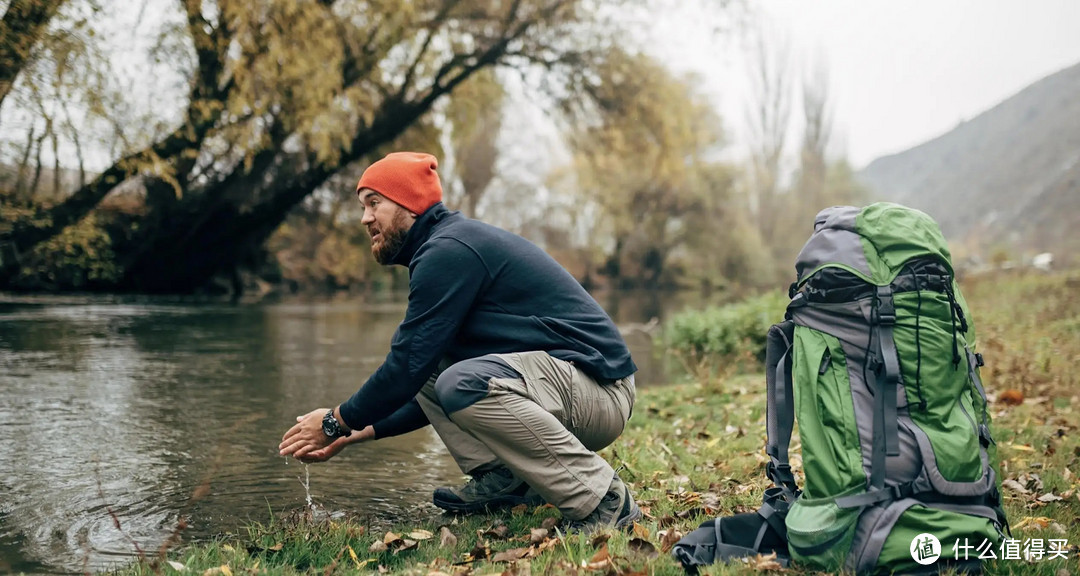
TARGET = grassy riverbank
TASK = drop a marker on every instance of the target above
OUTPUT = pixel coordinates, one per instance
(695, 451)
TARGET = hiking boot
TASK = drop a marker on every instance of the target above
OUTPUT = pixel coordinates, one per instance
(617, 508)
(490, 490)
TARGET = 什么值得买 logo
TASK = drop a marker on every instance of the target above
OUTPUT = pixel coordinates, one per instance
(925, 549)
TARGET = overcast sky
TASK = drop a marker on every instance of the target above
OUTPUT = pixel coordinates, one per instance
(901, 72)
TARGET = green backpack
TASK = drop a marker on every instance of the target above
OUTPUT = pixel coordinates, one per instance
(875, 363)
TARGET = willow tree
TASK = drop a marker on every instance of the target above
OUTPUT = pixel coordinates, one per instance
(284, 94)
(644, 159)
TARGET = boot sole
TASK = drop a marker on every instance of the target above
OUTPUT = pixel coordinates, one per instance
(497, 503)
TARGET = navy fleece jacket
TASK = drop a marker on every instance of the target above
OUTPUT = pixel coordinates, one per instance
(475, 289)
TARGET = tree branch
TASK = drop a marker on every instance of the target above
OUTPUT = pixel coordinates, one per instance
(23, 24)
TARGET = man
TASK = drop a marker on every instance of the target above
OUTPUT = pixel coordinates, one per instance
(521, 373)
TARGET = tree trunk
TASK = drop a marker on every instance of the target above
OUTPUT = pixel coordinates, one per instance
(214, 234)
(22, 27)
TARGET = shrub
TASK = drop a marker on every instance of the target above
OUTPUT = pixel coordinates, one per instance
(721, 340)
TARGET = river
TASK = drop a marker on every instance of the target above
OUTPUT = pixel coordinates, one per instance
(117, 410)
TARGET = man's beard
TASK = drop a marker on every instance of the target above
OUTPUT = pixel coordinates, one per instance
(391, 240)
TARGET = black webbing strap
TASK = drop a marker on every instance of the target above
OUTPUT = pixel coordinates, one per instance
(780, 407)
(886, 440)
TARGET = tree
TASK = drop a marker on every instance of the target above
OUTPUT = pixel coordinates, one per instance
(286, 93)
(474, 116)
(23, 25)
(768, 121)
(642, 159)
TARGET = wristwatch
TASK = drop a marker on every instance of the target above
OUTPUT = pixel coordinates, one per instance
(331, 427)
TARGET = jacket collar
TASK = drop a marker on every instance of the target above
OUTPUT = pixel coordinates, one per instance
(420, 232)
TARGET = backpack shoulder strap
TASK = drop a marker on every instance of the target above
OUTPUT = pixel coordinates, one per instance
(780, 409)
(727, 538)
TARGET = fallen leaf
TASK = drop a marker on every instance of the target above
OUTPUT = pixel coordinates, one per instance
(1032, 521)
(447, 538)
(537, 535)
(643, 547)
(1011, 397)
(378, 547)
(276, 547)
(1014, 486)
(176, 565)
(501, 532)
(510, 555)
(549, 523)
(390, 538)
(383, 569)
(480, 551)
(763, 563)
(420, 535)
(437, 573)
(359, 565)
(1031, 481)
(601, 554)
(519, 509)
(406, 545)
(600, 538)
(604, 565)
(1058, 528)
(640, 531)
(547, 545)
(669, 539)
(1049, 497)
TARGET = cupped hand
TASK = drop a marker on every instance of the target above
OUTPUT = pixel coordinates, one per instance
(306, 436)
(324, 454)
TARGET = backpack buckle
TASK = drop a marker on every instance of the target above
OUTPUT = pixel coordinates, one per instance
(885, 312)
(901, 491)
(979, 360)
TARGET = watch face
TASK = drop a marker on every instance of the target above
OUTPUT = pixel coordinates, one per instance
(330, 425)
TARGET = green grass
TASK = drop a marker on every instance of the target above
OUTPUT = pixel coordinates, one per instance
(695, 451)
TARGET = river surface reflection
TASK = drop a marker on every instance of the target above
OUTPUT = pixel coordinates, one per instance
(116, 407)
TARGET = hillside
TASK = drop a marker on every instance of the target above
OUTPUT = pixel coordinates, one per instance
(1008, 178)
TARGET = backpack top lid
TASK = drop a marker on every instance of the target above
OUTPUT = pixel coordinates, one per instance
(873, 242)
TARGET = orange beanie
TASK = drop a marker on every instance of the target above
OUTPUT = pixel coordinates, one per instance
(407, 178)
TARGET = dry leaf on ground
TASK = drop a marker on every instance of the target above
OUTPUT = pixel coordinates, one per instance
(447, 538)
(510, 555)
(378, 547)
(643, 547)
(668, 539)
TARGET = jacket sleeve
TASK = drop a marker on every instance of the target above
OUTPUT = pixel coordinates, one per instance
(446, 277)
(407, 418)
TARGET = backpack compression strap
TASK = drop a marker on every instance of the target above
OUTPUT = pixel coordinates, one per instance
(886, 423)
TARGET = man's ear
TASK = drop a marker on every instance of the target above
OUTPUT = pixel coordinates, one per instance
(414, 215)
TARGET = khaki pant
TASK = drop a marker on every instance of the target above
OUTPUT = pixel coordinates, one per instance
(544, 426)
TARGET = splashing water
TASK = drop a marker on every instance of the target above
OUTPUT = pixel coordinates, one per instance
(306, 483)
